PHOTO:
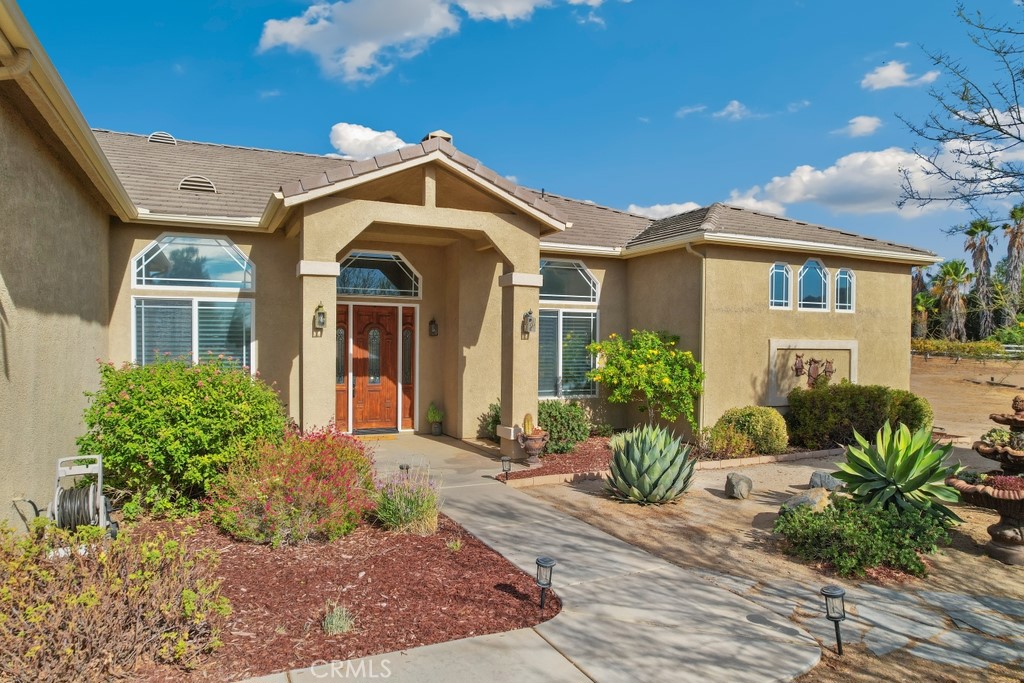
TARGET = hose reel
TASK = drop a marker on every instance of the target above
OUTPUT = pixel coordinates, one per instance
(77, 504)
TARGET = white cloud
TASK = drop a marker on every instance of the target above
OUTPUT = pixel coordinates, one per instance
(860, 126)
(736, 111)
(268, 94)
(662, 210)
(894, 75)
(683, 112)
(750, 200)
(360, 40)
(902, 44)
(643, 119)
(794, 107)
(359, 142)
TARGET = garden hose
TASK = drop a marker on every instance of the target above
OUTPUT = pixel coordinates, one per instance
(76, 507)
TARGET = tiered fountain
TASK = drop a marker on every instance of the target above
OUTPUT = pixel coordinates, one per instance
(1005, 496)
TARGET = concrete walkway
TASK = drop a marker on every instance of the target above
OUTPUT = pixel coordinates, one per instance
(627, 615)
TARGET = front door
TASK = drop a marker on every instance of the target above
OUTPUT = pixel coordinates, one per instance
(374, 367)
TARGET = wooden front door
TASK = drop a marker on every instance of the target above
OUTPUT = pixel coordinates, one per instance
(374, 367)
(341, 370)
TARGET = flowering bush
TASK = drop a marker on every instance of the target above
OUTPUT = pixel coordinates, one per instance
(408, 502)
(566, 424)
(75, 606)
(647, 369)
(314, 486)
(764, 427)
(168, 431)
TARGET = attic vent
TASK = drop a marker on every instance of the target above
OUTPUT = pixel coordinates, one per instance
(197, 183)
(163, 138)
(444, 135)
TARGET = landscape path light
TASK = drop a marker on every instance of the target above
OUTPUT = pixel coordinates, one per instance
(835, 610)
(506, 465)
(545, 565)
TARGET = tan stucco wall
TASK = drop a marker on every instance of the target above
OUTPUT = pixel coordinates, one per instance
(53, 308)
(278, 321)
(740, 327)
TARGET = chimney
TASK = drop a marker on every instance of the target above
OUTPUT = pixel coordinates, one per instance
(444, 135)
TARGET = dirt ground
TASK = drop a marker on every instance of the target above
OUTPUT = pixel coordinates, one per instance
(963, 394)
(706, 530)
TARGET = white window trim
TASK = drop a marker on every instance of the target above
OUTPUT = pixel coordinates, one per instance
(826, 282)
(574, 302)
(253, 346)
(380, 297)
(789, 287)
(177, 288)
(558, 357)
(853, 291)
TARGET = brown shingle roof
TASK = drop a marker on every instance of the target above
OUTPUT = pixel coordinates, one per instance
(594, 225)
(725, 219)
(245, 177)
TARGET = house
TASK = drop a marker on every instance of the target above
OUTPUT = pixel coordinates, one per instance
(368, 289)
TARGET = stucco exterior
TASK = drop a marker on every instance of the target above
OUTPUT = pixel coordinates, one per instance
(53, 304)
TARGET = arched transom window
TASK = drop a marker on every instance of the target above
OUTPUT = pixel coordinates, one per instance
(376, 274)
(193, 261)
(813, 286)
(780, 286)
(567, 281)
(845, 290)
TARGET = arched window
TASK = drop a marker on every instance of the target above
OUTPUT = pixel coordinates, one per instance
(813, 285)
(185, 261)
(376, 274)
(780, 286)
(845, 292)
(567, 281)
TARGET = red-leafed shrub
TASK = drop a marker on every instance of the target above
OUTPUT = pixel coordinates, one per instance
(314, 486)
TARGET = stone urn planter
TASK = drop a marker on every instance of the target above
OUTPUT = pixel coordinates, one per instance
(533, 444)
(1007, 544)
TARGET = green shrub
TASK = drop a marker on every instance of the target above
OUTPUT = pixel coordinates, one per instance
(948, 347)
(825, 416)
(604, 430)
(900, 469)
(490, 421)
(726, 442)
(407, 502)
(566, 423)
(314, 486)
(765, 427)
(75, 606)
(337, 619)
(168, 431)
(649, 466)
(853, 537)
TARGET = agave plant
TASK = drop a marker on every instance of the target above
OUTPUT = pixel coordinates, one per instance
(900, 469)
(649, 466)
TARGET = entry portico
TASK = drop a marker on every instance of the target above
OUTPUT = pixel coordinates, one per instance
(474, 246)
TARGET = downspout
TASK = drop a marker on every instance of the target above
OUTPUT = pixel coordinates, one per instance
(20, 66)
(703, 321)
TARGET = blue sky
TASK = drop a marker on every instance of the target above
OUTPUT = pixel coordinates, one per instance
(786, 106)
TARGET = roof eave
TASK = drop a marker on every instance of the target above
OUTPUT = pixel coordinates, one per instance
(580, 249)
(47, 91)
(732, 239)
(230, 222)
(550, 223)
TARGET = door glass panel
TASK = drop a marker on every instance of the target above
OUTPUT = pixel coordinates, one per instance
(406, 356)
(373, 351)
(340, 376)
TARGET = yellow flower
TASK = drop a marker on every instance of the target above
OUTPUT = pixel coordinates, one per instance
(664, 380)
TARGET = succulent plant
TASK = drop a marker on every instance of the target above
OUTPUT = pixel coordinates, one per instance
(1016, 441)
(528, 424)
(649, 466)
(996, 437)
(900, 469)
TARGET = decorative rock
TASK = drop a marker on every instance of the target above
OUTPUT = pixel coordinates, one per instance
(816, 499)
(824, 480)
(738, 485)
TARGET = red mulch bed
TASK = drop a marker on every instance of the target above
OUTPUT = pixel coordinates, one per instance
(403, 590)
(592, 455)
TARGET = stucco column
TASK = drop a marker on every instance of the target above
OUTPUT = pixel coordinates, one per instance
(317, 362)
(520, 294)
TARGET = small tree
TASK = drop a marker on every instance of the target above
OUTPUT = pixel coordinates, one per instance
(648, 370)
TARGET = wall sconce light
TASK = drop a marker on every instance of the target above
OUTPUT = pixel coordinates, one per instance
(835, 610)
(320, 317)
(432, 327)
(529, 324)
(545, 565)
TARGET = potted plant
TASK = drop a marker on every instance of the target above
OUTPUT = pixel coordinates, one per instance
(532, 439)
(435, 416)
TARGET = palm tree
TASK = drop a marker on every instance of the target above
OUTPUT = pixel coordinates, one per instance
(979, 244)
(1014, 231)
(949, 286)
(924, 303)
